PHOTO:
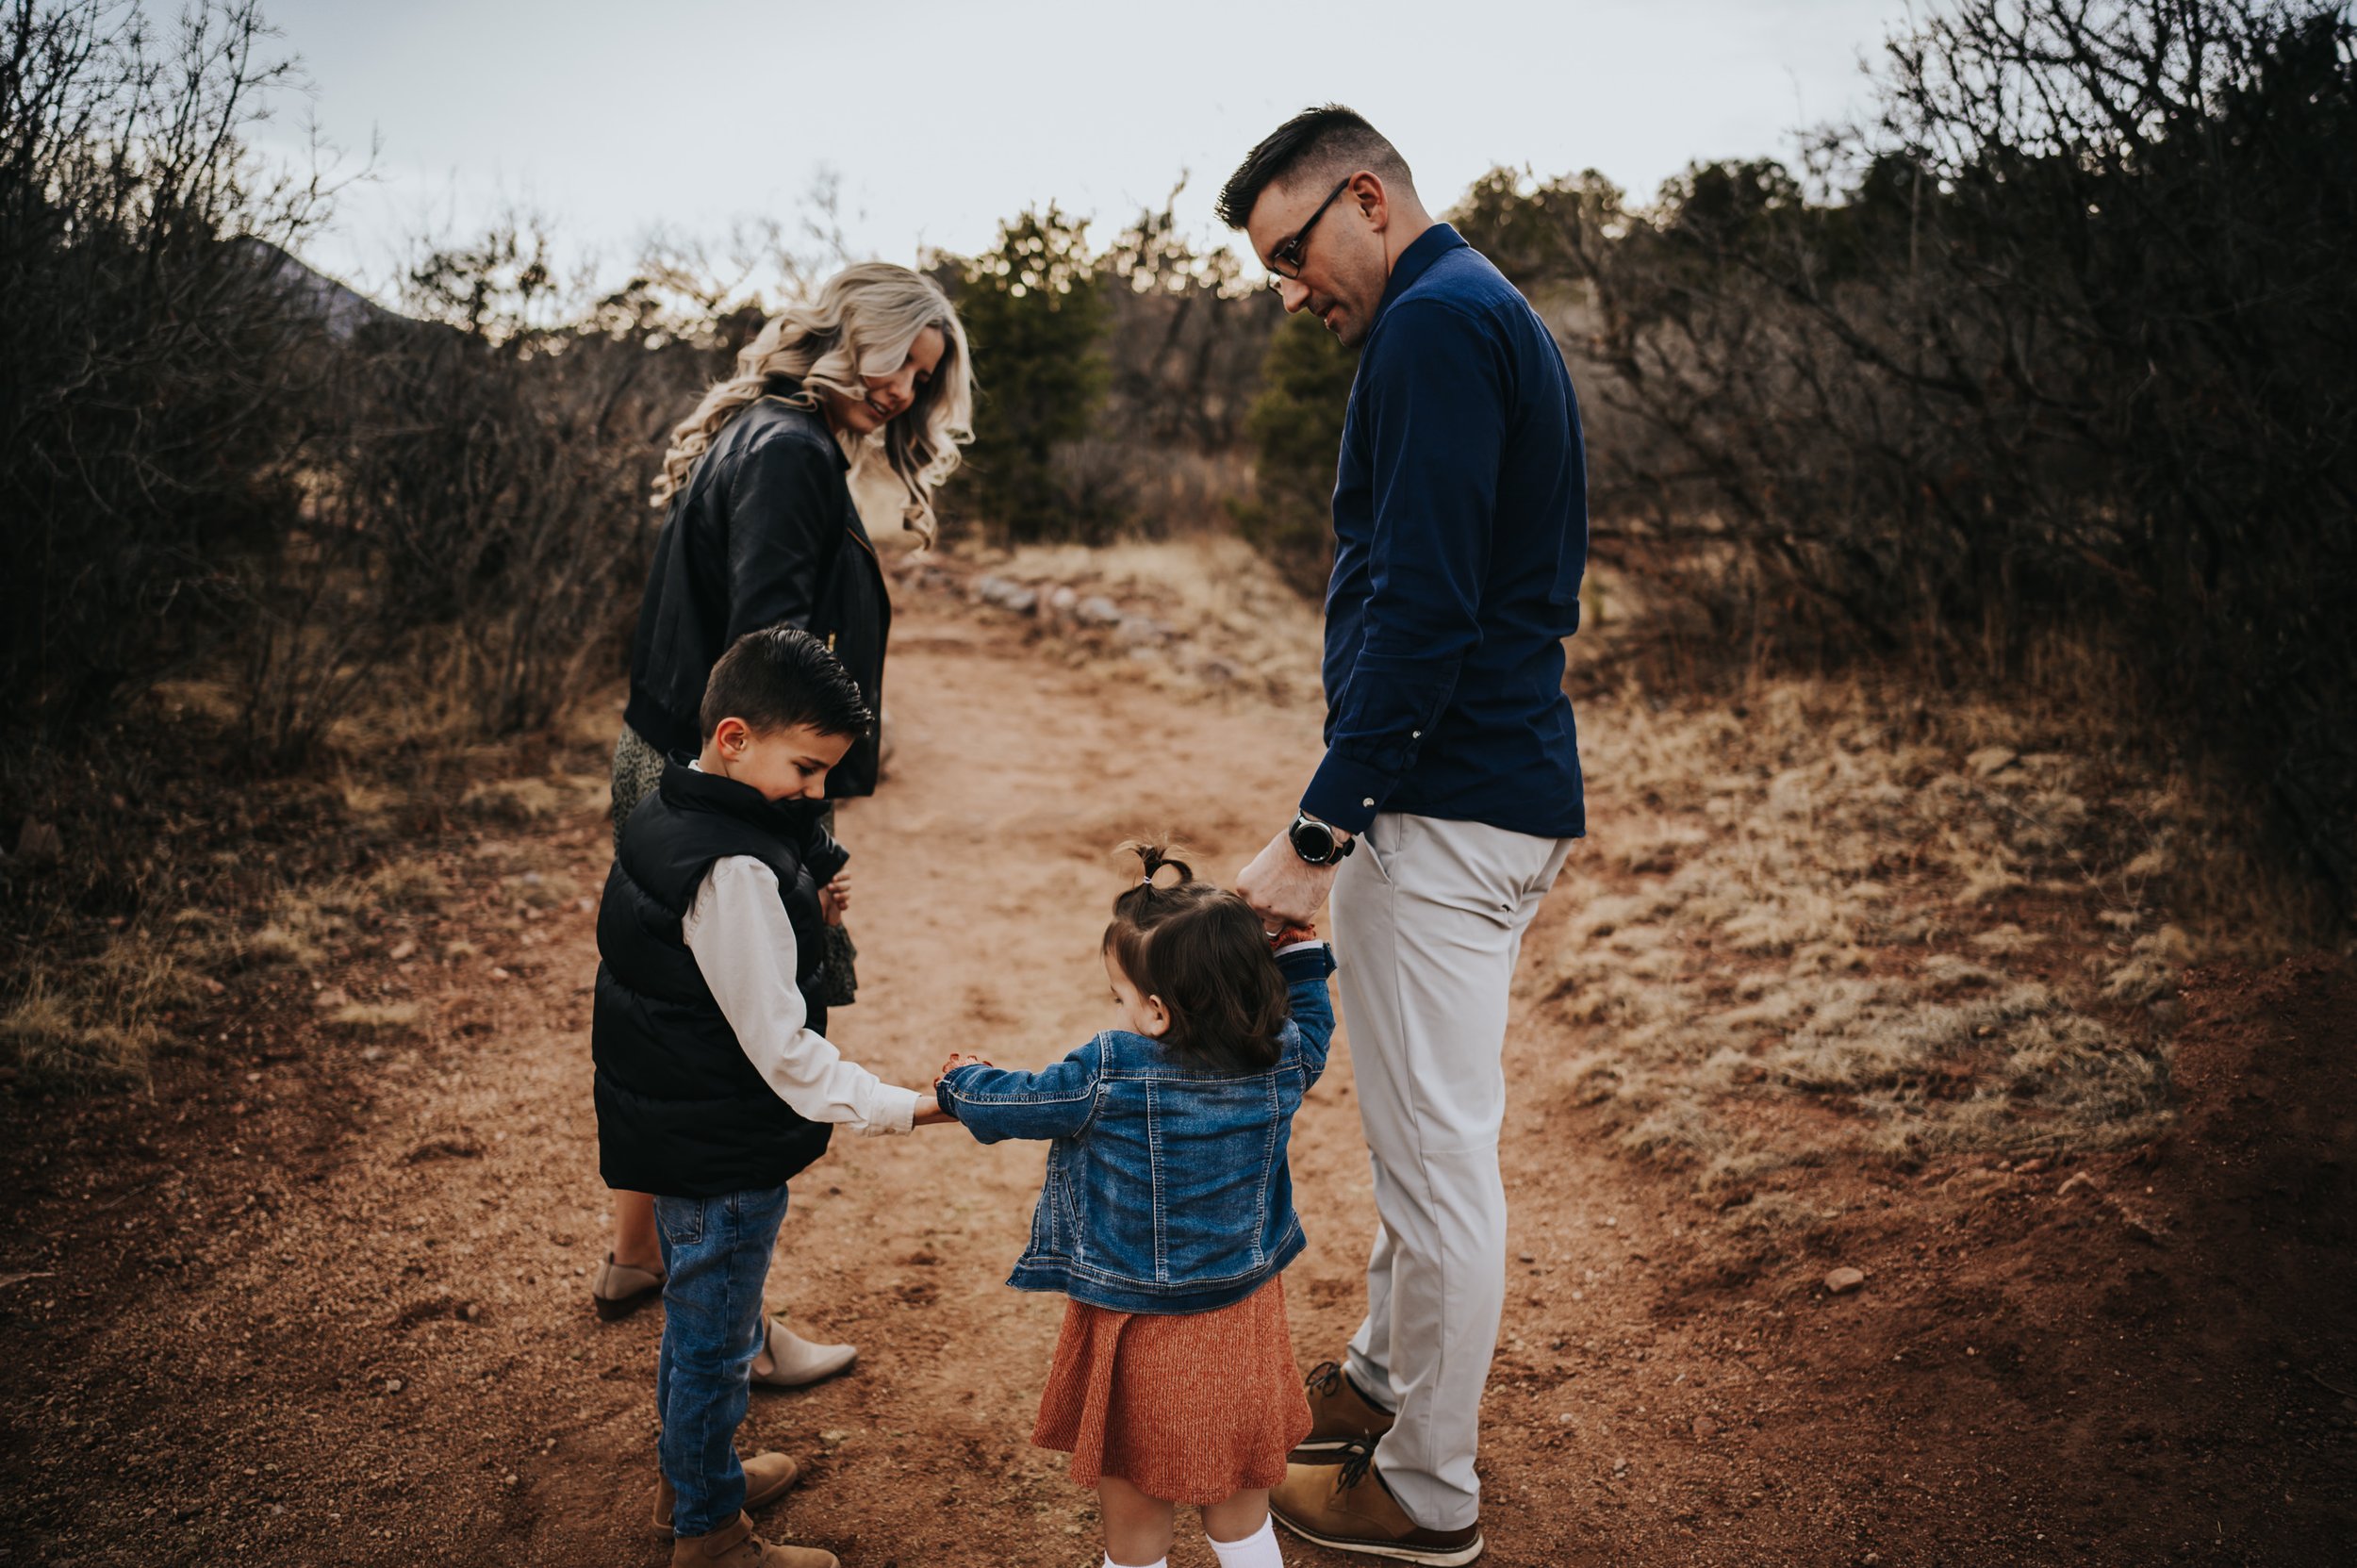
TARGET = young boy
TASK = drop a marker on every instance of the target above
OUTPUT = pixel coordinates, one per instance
(714, 1083)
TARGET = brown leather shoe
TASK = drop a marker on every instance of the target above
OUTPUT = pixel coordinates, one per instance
(1340, 1416)
(767, 1478)
(737, 1546)
(1348, 1506)
(619, 1289)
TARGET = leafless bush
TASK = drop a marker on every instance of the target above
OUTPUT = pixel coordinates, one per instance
(476, 505)
(151, 363)
(2062, 337)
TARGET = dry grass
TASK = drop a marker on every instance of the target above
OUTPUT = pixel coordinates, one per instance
(1807, 928)
(528, 801)
(98, 1022)
(377, 1018)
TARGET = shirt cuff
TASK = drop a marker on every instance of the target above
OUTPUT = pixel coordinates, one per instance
(1345, 793)
(1310, 946)
(895, 1112)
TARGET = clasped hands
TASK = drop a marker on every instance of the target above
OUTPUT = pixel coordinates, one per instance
(927, 1115)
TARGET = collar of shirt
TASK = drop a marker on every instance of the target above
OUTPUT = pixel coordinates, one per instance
(1417, 260)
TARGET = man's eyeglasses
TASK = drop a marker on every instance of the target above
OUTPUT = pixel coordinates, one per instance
(1285, 261)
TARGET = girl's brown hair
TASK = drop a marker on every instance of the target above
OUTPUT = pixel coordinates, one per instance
(1202, 950)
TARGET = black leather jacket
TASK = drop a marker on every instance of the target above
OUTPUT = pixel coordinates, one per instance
(765, 532)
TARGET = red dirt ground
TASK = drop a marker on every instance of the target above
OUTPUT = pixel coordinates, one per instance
(314, 1302)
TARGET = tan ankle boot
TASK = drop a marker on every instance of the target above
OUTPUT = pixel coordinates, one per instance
(767, 1478)
(789, 1360)
(619, 1289)
(737, 1546)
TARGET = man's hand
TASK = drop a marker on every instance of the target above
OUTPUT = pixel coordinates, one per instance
(1283, 887)
(835, 896)
(929, 1113)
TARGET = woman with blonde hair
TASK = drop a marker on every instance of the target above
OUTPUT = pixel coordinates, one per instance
(870, 378)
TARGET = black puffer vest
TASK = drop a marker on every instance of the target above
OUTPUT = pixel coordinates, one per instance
(681, 1112)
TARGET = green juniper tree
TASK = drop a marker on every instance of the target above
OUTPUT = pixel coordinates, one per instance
(1034, 317)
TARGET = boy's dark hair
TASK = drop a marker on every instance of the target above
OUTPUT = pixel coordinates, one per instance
(1326, 143)
(1202, 950)
(779, 677)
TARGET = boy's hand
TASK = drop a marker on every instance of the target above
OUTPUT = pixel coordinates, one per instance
(929, 1113)
(835, 896)
(959, 1059)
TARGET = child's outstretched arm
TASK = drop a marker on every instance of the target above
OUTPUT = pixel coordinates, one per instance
(995, 1103)
(743, 945)
(1305, 963)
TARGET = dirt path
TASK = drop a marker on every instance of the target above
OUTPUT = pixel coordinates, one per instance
(336, 1310)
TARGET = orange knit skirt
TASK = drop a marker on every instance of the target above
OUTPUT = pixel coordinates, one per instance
(1190, 1407)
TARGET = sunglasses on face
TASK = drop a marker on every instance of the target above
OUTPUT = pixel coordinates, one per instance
(1285, 259)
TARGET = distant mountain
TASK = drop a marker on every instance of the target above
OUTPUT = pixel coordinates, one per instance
(345, 311)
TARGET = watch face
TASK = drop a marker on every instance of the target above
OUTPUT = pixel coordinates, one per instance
(1313, 842)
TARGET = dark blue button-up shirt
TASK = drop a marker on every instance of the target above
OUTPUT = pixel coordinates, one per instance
(1460, 530)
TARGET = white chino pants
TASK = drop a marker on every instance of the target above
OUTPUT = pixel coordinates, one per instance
(1428, 920)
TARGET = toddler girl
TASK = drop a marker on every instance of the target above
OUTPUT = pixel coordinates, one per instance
(1167, 1213)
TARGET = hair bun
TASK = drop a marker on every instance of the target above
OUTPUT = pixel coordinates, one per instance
(1156, 857)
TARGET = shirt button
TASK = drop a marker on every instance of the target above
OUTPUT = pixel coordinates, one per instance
(1368, 801)
(1415, 734)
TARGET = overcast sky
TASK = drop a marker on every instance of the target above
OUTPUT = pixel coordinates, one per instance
(613, 120)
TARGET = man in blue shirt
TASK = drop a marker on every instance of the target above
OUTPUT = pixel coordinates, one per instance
(1448, 799)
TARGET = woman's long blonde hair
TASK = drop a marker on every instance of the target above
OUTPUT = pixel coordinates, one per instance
(863, 322)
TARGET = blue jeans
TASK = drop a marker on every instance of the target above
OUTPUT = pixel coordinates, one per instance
(716, 1254)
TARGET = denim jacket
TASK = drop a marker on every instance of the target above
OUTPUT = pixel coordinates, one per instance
(1167, 1189)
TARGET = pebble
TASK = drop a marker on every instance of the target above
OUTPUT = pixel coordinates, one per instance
(1143, 631)
(405, 947)
(1099, 611)
(39, 842)
(1705, 1428)
(392, 1385)
(1843, 1280)
(333, 995)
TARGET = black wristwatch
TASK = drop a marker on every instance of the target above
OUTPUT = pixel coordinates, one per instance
(1316, 842)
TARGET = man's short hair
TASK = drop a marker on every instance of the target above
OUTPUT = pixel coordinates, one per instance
(1325, 144)
(780, 677)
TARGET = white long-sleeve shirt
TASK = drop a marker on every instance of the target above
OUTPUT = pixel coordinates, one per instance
(743, 945)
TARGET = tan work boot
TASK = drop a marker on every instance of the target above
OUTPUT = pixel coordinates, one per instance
(789, 1360)
(767, 1478)
(1347, 1508)
(737, 1546)
(619, 1289)
(1340, 1416)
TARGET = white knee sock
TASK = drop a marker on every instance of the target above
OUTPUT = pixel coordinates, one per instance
(1257, 1550)
(1158, 1563)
